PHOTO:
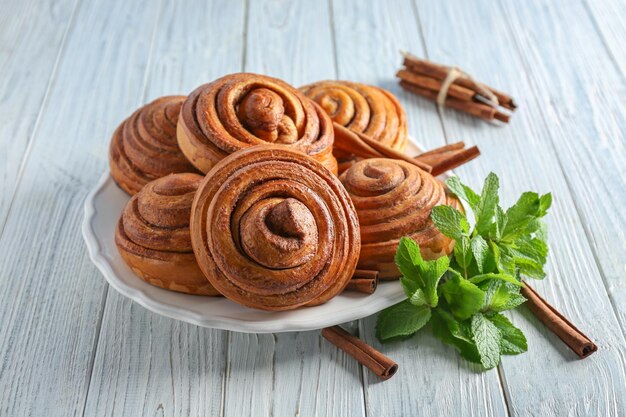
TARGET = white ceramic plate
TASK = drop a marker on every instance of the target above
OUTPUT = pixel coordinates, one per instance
(102, 210)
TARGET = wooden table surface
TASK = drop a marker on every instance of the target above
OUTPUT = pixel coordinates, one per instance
(71, 70)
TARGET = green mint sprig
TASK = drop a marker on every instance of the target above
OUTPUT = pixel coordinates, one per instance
(463, 296)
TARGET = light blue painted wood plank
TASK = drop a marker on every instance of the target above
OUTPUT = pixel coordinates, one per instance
(51, 296)
(290, 40)
(146, 364)
(27, 66)
(548, 380)
(290, 373)
(610, 20)
(431, 380)
(585, 108)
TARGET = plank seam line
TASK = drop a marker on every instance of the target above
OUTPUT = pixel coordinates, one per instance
(226, 371)
(605, 43)
(92, 360)
(445, 134)
(105, 298)
(244, 50)
(505, 389)
(360, 332)
(577, 209)
(44, 101)
(420, 30)
(333, 35)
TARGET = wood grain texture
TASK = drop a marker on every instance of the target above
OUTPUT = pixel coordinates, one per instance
(146, 364)
(69, 346)
(431, 380)
(51, 296)
(290, 373)
(609, 18)
(547, 380)
(27, 66)
(586, 114)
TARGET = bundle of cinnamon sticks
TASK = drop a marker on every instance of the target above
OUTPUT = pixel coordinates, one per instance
(460, 91)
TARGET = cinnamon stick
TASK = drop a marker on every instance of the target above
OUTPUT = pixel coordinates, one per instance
(443, 149)
(440, 72)
(555, 321)
(366, 355)
(453, 160)
(364, 281)
(365, 147)
(475, 109)
(429, 83)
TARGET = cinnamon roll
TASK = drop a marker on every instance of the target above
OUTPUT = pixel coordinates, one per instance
(238, 111)
(366, 109)
(274, 229)
(393, 199)
(153, 235)
(144, 146)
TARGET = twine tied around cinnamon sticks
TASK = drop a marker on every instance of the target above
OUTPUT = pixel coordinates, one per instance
(455, 73)
(452, 87)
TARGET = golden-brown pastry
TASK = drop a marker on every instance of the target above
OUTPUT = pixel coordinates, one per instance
(144, 146)
(153, 235)
(393, 199)
(366, 109)
(274, 229)
(241, 110)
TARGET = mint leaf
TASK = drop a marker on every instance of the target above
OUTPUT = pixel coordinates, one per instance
(452, 332)
(407, 256)
(496, 296)
(482, 254)
(418, 298)
(463, 191)
(476, 279)
(514, 300)
(504, 259)
(413, 291)
(450, 221)
(487, 338)
(545, 201)
(419, 277)
(513, 341)
(499, 224)
(401, 320)
(415, 294)
(500, 296)
(535, 250)
(520, 215)
(485, 210)
(463, 252)
(530, 256)
(432, 272)
(463, 297)
(540, 230)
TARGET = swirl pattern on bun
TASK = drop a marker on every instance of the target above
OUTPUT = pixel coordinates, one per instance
(362, 108)
(144, 147)
(241, 110)
(394, 199)
(274, 229)
(154, 239)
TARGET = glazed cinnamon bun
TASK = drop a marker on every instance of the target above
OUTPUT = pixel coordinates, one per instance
(362, 108)
(144, 146)
(153, 235)
(274, 229)
(393, 199)
(238, 111)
